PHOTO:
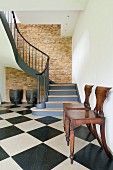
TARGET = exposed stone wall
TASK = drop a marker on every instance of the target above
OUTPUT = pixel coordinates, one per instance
(16, 79)
(47, 38)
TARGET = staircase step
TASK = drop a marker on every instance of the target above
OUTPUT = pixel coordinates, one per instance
(62, 92)
(47, 111)
(54, 102)
(57, 104)
(58, 94)
(62, 87)
(62, 84)
(63, 98)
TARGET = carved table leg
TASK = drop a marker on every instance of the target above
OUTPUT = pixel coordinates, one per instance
(102, 130)
(64, 117)
(72, 139)
(67, 130)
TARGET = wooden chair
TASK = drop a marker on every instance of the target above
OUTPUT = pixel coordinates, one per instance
(77, 105)
(76, 118)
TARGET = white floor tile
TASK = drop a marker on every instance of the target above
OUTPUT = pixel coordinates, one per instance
(7, 104)
(17, 109)
(24, 104)
(59, 117)
(9, 164)
(19, 143)
(58, 125)
(95, 142)
(29, 125)
(66, 165)
(10, 115)
(33, 116)
(59, 144)
(79, 144)
(2, 108)
(4, 123)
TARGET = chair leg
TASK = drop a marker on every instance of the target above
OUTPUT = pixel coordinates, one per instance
(67, 130)
(96, 135)
(64, 117)
(102, 130)
(89, 127)
(72, 139)
(93, 130)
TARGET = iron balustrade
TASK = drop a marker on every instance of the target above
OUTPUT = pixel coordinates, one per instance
(32, 56)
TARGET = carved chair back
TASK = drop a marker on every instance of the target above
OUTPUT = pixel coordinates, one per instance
(88, 90)
(101, 94)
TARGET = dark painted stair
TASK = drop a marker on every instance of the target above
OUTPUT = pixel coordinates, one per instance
(61, 87)
(58, 94)
(62, 92)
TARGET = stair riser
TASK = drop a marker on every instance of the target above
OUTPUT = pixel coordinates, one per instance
(61, 87)
(52, 105)
(62, 92)
(62, 99)
(40, 113)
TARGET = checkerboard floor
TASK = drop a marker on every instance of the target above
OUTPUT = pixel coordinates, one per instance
(38, 143)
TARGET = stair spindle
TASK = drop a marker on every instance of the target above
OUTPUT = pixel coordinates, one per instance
(31, 56)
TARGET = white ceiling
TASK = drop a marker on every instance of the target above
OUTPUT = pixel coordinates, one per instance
(64, 12)
(67, 19)
(35, 5)
(39, 12)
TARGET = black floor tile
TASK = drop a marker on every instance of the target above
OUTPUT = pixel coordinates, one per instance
(29, 107)
(5, 111)
(108, 166)
(19, 119)
(94, 158)
(12, 106)
(3, 154)
(24, 112)
(48, 120)
(45, 133)
(9, 132)
(40, 157)
(84, 133)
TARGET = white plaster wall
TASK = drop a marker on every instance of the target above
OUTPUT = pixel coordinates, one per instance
(93, 54)
(2, 84)
(7, 58)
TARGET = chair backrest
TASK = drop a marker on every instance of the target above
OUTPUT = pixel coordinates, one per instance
(101, 94)
(88, 90)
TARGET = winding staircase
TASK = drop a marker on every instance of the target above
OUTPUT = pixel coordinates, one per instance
(50, 97)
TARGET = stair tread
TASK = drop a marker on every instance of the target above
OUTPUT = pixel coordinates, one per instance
(62, 96)
(48, 109)
(63, 90)
(62, 84)
(53, 102)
